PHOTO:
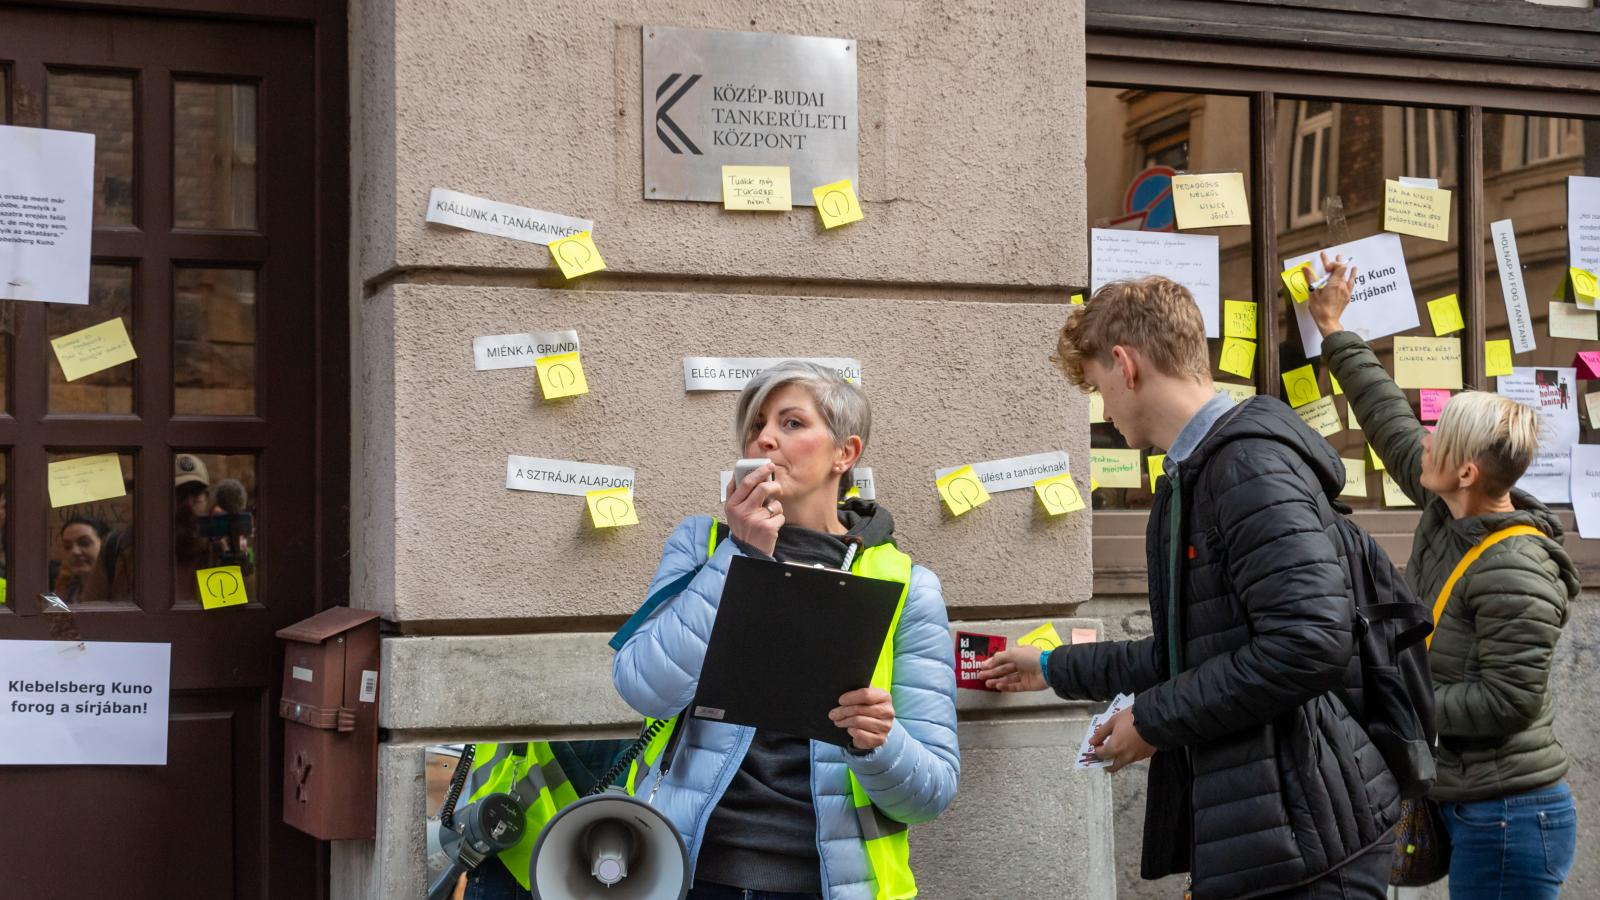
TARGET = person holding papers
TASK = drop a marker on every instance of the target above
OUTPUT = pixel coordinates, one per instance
(1489, 558)
(767, 815)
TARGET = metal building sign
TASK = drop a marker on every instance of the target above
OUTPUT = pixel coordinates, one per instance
(715, 98)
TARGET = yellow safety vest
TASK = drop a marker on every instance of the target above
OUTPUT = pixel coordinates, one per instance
(500, 768)
(886, 841)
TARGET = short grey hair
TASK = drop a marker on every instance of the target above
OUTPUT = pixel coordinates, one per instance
(843, 404)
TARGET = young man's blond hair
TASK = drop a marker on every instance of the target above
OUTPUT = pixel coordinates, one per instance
(1155, 314)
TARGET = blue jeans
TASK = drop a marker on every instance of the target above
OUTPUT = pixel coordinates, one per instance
(705, 890)
(1515, 848)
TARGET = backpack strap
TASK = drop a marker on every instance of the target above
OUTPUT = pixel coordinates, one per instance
(1467, 561)
(666, 592)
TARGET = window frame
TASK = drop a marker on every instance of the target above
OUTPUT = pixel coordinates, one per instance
(1320, 128)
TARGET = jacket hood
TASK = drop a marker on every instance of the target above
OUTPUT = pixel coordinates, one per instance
(1271, 419)
(865, 520)
(1527, 510)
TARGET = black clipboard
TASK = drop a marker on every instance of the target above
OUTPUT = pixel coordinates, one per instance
(790, 640)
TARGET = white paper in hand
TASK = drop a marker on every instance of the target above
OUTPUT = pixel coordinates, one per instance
(1086, 757)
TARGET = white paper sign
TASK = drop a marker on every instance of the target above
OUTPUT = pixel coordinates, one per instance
(1503, 241)
(732, 373)
(1381, 304)
(518, 351)
(46, 214)
(519, 223)
(862, 478)
(95, 703)
(1420, 182)
(1188, 259)
(1585, 464)
(560, 476)
(1015, 473)
(1553, 394)
(1583, 224)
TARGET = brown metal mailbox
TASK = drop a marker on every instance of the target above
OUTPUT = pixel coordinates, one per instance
(330, 724)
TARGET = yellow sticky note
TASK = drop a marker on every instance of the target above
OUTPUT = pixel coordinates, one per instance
(1422, 362)
(1210, 201)
(1592, 402)
(1585, 286)
(85, 480)
(1157, 466)
(1077, 299)
(561, 375)
(1097, 409)
(1446, 315)
(1392, 495)
(1300, 386)
(1045, 637)
(1334, 383)
(962, 491)
(1322, 415)
(1093, 486)
(1420, 211)
(2, 592)
(1058, 494)
(1238, 392)
(1239, 319)
(611, 507)
(222, 586)
(1238, 357)
(1298, 281)
(836, 203)
(577, 255)
(1377, 461)
(1497, 357)
(1355, 478)
(93, 349)
(761, 188)
(1115, 468)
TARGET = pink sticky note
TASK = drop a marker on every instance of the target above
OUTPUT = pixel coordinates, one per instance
(1433, 401)
(1588, 363)
(1083, 636)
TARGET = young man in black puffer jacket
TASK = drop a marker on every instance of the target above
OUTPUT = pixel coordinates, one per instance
(1262, 782)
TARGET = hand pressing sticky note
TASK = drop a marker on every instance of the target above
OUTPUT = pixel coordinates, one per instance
(85, 480)
(577, 255)
(1421, 362)
(222, 586)
(1585, 286)
(94, 349)
(1058, 494)
(1238, 357)
(1497, 357)
(1298, 282)
(962, 491)
(1355, 478)
(561, 375)
(1392, 495)
(1300, 386)
(759, 188)
(1432, 406)
(1446, 315)
(1210, 201)
(1239, 319)
(837, 204)
(1157, 464)
(611, 507)
(1045, 637)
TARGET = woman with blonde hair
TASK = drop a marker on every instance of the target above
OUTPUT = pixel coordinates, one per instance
(1489, 558)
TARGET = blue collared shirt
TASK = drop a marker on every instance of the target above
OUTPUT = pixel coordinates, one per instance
(1195, 431)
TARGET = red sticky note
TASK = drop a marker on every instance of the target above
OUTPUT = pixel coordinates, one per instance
(1433, 401)
(972, 651)
(1083, 636)
(1588, 363)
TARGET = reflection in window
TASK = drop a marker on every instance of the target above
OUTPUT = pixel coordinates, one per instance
(91, 545)
(109, 390)
(103, 106)
(1546, 137)
(1169, 146)
(213, 155)
(1311, 165)
(214, 325)
(214, 522)
(1430, 141)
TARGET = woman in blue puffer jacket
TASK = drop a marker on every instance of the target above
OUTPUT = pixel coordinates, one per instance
(766, 815)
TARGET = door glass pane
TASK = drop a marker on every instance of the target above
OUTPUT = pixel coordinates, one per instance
(214, 324)
(109, 390)
(1531, 190)
(91, 544)
(5, 96)
(101, 105)
(213, 155)
(1366, 145)
(1216, 138)
(215, 525)
(5, 542)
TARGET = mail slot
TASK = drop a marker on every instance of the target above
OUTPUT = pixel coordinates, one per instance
(329, 709)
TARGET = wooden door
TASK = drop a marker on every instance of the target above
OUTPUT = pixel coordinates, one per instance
(205, 243)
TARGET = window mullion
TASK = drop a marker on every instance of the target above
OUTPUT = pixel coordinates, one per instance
(1473, 256)
(1264, 219)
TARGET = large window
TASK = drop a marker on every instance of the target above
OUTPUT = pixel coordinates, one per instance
(1311, 169)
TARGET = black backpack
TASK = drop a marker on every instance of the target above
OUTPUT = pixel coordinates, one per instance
(1395, 700)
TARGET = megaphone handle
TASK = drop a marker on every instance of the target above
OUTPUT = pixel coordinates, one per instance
(445, 884)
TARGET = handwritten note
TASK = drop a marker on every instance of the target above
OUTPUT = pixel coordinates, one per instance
(1355, 478)
(1189, 259)
(1585, 465)
(94, 349)
(1446, 315)
(1503, 243)
(1497, 357)
(1045, 637)
(1381, 302)
(762, 188)
(85, 479)
(1115, 468)
(1238, 357)
(1587, 363)
(1300, 386)
(961, 491)
(1058, 494)
(1420, 211)
(221, 586)
(1568, 320)
(1432, 406)
(1239, 319)
(1421, 362)
(561, 375)
(1239, 393)
(1209, 201)
(1322, 415)
(611, 507)
(1392, 495)
(577, 255)
(837, 204)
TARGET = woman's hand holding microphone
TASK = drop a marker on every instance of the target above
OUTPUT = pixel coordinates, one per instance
(755, 511)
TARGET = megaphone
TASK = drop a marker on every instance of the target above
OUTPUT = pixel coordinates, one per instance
(609, 846)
